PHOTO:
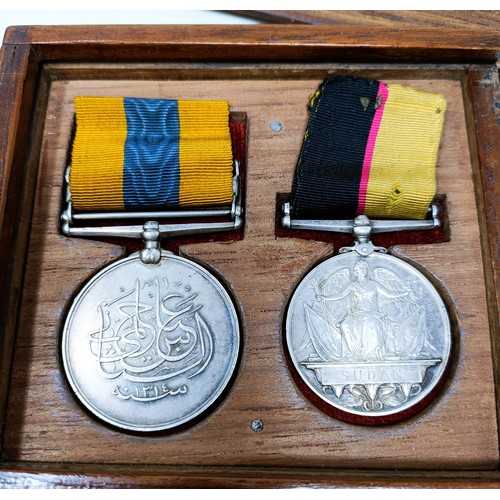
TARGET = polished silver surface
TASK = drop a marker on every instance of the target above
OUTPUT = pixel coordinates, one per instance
(346, 226)
(368, 332)
(135, 231)
(149, 347)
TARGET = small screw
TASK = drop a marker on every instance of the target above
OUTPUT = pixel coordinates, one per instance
(257, 425)
(276, 126)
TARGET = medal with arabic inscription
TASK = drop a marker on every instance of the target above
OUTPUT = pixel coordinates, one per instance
(150, 347)
(151, 341)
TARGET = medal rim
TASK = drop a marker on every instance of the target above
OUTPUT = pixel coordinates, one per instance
(448, 336)
(230, 368)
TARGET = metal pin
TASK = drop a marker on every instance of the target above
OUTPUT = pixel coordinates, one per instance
(257, 425)
(276, 126)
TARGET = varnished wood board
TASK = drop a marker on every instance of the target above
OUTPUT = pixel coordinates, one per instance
(44, 421)
(466, 19)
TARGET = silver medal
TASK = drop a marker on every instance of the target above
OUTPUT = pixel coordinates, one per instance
(367, 332)
(150, 347)
(152, 341)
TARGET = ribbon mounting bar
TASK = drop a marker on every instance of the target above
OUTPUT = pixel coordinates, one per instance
(347, 226)
(234, 214)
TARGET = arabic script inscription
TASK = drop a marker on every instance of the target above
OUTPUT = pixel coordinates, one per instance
(150, 335)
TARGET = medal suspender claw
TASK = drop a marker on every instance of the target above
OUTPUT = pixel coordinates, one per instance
(367, 333)
(152, 341)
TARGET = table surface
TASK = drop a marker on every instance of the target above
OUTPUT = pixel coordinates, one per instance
(487, 19)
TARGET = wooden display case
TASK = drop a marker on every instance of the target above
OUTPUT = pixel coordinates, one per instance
(267, 72)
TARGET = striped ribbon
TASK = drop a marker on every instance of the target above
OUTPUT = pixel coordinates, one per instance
(131, 153)
(369, 148)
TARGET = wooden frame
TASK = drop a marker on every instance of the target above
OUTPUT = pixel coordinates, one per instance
(448, 19)
(32, 58)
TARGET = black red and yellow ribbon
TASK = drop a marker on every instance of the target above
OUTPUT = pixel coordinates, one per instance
(134, 153)
(369, 148)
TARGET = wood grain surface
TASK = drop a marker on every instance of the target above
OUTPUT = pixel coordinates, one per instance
(259, 43)
(18, 80)
(46, 424)
(396, 18)
(267, 71)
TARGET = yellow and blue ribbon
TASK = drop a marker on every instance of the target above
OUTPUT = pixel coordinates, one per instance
(134, 153)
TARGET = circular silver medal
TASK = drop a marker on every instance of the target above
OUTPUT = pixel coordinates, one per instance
(368, 333)
(149, 347)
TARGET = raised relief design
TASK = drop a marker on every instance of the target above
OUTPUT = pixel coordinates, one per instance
(367, 336)
(148, 336)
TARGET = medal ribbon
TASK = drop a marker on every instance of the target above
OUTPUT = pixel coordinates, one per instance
(369, 148)
(133, 154)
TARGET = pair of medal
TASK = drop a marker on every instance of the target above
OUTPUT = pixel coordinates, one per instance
(152, 341)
